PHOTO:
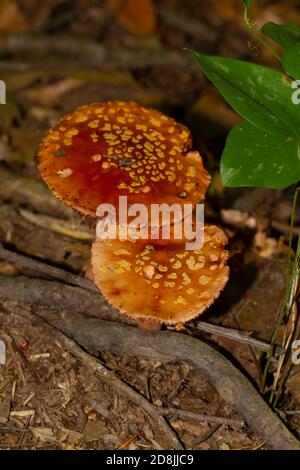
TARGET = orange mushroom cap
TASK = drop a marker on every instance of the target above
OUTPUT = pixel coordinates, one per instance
(102, 151)
(165, 283)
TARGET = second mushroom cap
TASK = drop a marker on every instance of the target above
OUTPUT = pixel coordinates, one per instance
(165, 283)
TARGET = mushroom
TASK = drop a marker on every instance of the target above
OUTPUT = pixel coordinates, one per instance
(168, 284)
(102, 151)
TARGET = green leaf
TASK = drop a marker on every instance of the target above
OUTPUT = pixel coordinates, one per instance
(261, 95)
(291, 61)
(286, 35)
(255, 158)
(247, 3)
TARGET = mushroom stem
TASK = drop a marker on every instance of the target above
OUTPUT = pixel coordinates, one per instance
(149, 324)
(89, 272)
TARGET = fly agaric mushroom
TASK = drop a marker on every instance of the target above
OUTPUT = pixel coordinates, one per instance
(168, 284)
(103, 151)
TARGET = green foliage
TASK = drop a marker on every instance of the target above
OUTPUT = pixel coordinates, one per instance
(265, 150)
(259, 94)
(286, 35)
(291, 61)
(257, 158)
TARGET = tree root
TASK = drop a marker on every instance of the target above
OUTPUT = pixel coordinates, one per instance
(100, 335)
(109, 377)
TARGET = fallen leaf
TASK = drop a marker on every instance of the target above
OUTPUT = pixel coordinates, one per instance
(94, 430)
(11, 18)
(73, 436)
(126, 442)
(42, 433)
(224, 446)
(138, 17)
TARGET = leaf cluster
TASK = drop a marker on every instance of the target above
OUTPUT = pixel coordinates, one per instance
(264, 150)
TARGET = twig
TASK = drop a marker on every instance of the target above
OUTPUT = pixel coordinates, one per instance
(79, 281)
(67, 228)
(73, 279)
(236, 335)
(39, 45)
(36, 289)
(284, 228)
(41, 243)
(22, 190)
(86, 54)
(56, 294)
(43, 268)
(24, 431)
(186, 414)
(188, 25)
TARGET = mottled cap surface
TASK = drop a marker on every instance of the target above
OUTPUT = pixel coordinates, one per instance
(105, 150)
(166, 283)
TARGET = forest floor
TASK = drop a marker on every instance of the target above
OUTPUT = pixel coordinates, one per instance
(50, 399)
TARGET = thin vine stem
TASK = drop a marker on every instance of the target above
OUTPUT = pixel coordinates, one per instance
(293, 320)
(251, 25)
(292, 224)
(287, 304)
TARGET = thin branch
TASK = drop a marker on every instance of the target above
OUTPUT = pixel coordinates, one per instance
(43, 268)
(105, 59)
(236, 335)
(188, 25)
(55, 294)
(41, 243)
(73, 279)
(25, 190)
(231, 384)
(186, 414)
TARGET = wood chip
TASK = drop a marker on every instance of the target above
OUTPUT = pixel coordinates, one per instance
(2, 353)
(67, 228)
(4, 409)
(28, 399)
(42, 433)
(36, 357)
(22, 413)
